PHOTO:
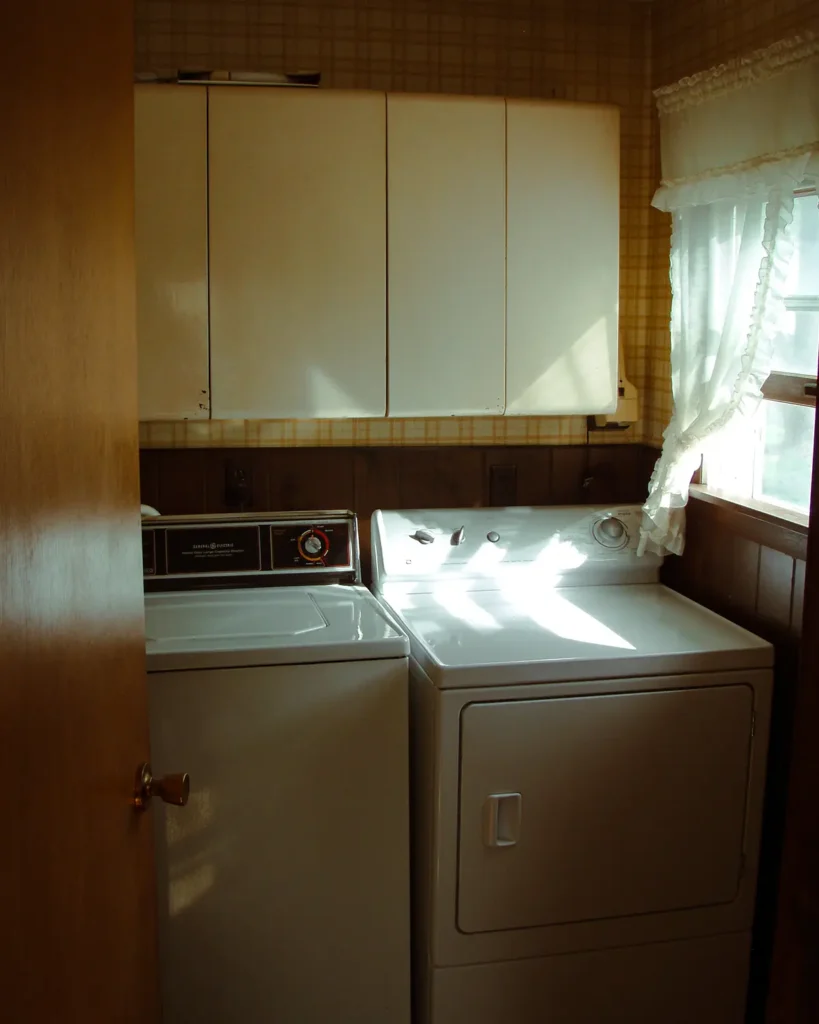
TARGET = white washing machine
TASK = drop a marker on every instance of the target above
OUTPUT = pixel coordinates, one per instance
(589, 764)
(277, 682)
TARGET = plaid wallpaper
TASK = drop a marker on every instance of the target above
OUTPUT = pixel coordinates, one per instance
(697, 34)
(593, 50)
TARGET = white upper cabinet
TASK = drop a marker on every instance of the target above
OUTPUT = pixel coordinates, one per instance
(319, 253)
(171, 251)
(297, 253)
(447, 241)
(562, 258)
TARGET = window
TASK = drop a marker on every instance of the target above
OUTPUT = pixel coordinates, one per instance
(770, 459)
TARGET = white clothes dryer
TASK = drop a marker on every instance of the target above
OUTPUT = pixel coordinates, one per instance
(588, 756)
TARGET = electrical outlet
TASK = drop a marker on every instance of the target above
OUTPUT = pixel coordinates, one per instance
(238, 487)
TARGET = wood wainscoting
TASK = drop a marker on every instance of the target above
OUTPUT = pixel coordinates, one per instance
(752, 571)
(188, 481)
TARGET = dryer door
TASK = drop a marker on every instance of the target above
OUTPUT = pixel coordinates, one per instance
(583, 808)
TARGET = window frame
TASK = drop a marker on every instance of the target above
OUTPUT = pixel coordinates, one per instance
(795, 388)
(782, 387)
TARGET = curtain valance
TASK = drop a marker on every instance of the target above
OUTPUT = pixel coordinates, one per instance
(729, 131)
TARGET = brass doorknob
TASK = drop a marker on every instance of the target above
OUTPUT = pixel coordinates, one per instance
(171, 789)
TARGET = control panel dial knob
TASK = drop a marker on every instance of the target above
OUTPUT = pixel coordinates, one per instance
(611, 532)
(313, 545)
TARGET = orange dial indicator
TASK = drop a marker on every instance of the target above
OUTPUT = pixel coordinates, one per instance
(313, 545)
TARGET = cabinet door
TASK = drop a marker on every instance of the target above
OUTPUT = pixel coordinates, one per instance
(297, 253)
(447, 227)
(172, 250)
(563, 257)
(583, 808)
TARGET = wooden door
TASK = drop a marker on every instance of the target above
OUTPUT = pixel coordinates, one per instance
(298, 265)
(171, 183)
(447, 246)
(76, 878)
(563, 188)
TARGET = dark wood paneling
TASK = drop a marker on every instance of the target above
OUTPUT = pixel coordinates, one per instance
(304, 478)
(522, 476)
(798, 597)
(728, 567)
(180, 484)
(149, 478)
(617, 478)
(440, 477)
(744, 576)
(179, 481)
(775, 588)
(760, 524)
(794, 995)
(503, 484)
(377, 480)
(570, 475)
(188, 481)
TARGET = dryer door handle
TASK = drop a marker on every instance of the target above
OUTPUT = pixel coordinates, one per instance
(502, 814)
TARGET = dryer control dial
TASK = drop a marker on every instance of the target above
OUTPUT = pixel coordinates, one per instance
(611, 532)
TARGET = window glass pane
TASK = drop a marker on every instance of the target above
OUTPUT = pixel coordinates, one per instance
(730, 457)
(803, 272)
(785, 455)
(796, 348)
(770, 457)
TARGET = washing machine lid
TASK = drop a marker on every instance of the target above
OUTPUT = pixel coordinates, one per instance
(267, 626)
(465, 638)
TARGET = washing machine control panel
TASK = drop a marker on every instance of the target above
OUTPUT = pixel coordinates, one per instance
(251, 549)
(310, 546)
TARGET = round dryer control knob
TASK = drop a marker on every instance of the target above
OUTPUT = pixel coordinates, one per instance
(610, 532)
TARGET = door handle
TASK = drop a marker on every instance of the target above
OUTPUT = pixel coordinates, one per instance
(502, 814)
(171, 789)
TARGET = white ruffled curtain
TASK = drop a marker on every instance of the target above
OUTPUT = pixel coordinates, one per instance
(728, 269)
(731, 196)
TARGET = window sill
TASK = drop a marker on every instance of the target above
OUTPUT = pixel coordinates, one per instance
(769, 525)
